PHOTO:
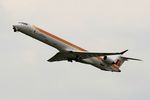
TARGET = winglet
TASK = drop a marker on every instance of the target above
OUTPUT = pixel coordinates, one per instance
(123, 52)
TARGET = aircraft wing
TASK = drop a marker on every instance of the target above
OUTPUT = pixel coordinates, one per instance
(59, 57)
(70, 55)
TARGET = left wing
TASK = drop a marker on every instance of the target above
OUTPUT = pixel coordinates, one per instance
(70, 55)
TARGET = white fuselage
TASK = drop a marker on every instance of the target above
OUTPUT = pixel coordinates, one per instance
(61, 45)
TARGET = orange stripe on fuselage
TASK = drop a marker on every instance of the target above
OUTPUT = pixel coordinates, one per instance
(62, 40)
(59, 39)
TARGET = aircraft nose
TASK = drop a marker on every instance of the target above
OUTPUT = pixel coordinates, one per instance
(15, 28)
(21, 26)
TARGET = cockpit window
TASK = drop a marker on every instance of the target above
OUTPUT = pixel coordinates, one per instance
(23, 23)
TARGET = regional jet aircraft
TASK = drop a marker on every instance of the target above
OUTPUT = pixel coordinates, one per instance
(71, 52)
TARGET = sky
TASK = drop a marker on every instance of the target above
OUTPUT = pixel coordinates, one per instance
(96, 25)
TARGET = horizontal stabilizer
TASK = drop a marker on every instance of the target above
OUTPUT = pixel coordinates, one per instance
(128, 58)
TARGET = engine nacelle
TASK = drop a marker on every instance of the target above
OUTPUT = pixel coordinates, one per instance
(108, 60)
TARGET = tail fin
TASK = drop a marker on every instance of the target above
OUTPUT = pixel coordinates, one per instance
(120, 60)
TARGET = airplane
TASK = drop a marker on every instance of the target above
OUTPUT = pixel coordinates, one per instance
(70, 52)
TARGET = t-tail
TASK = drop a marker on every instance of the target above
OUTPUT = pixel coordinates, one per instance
(120, 60)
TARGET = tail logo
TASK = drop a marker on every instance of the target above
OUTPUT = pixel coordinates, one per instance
(118, 62)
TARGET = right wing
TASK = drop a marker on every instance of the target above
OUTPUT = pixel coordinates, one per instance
(70, 55)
